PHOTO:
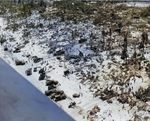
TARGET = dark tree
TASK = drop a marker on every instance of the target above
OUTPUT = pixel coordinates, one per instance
(120, 25)
(135, 54)
(124, 52)
(32, 3)
(144, 37)
(104, 44)
(144, 41)
(42, 3)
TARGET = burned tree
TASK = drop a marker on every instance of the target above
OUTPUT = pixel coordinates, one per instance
(119, 27)
(144, 37)
(103, 34)
(124, 52)
(110, 40)
(135, 53)
(144, 41)
(42, 3)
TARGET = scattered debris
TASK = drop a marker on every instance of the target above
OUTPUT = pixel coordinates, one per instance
(59, 52)
(66, 73)
(72, 105)
(109, 101)
(35, 69)
(51, 82)
(122, 100)
(41, 70)
(56, 95)
(17, 50)
(94, 110)
(36, 59)
(28, 72)
(5, 48)
(42, 76)
(19, 62)
(76, 95)
(59, 58)
(82, 40)
(49, 92)
(51, 87)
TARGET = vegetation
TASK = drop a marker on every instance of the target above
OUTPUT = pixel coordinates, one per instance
(72, 10)
(14, 27)
(143, 94)
(121, 7)
(143, 25)
(128, 23)
(124, 52)
(69, 6)
(17, 12)
(99, 18)
(2, 9)
(114, 36)
(145, 12)
(21, 9)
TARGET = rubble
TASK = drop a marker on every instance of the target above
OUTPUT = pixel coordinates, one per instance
(76, 95)
(19, 62)
(28, 72)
